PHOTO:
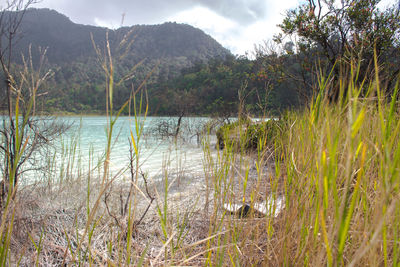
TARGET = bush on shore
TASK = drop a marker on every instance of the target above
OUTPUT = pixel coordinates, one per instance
(249, 134)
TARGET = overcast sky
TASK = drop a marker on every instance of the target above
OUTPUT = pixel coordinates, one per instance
(236, 24)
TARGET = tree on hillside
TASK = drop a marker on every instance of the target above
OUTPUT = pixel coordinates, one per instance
(342, 31)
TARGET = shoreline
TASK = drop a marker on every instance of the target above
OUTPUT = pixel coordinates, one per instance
(61, 211)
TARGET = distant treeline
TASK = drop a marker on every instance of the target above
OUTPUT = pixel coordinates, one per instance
(185, 72)
(219, 87)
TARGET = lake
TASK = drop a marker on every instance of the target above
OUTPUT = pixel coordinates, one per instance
(84, 145)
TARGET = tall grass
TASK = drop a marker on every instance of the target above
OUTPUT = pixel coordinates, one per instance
(341, 177)
(337, 167)
(329, 183)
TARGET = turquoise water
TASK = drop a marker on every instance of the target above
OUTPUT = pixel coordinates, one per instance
(157, 152)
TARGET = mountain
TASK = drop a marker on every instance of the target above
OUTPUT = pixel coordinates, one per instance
(78, 83)
(67, 41)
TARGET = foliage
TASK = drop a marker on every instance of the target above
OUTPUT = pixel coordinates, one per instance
(247, 134)
(331, 196)
(191, 73)
(344, 31)
(77, 85)
(23, 134)
(341, 189)
(223, 88)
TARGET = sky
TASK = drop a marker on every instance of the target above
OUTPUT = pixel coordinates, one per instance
(236, 24)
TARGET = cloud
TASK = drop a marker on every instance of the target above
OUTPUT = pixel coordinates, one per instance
(244, 12)
(232, 33)
(237, 24)
(223, 29)
(241, 11)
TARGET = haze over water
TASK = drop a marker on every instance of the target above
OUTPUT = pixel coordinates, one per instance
(87, 136)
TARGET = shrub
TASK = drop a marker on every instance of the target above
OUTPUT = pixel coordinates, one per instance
(248, 134)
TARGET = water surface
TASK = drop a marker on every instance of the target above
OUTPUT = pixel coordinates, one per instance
(157, 151)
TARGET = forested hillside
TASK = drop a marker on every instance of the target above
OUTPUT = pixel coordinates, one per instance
(67, 41)
(186, 72)
(78, 83)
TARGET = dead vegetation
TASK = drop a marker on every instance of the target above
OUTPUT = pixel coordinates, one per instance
(50, 221)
